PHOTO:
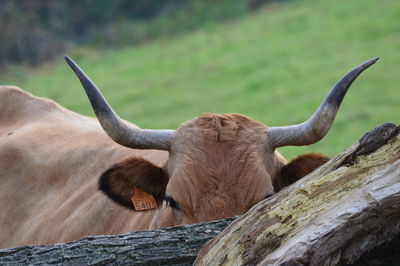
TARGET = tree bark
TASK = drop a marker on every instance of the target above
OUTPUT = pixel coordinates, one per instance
(168, 246)
(331, 217)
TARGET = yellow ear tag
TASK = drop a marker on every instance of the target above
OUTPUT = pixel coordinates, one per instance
(143, 201)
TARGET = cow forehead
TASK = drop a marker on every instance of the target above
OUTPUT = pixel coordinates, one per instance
(216, 161)
(221, 128)
(211, 140)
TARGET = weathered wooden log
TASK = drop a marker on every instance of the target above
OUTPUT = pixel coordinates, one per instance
(331, 217)
(334, 215)
(168, 246)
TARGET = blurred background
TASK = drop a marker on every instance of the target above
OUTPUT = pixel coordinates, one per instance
(160, 63)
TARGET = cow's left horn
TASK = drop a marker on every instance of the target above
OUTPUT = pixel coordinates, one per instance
(120, 131)
(318, 125)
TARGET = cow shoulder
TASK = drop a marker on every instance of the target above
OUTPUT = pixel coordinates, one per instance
(18, 107)
(119, 181)
(298, 168)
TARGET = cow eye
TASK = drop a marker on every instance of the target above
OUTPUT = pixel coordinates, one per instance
(172, 203)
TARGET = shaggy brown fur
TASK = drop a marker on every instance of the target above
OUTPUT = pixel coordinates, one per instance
(217, 167)
(224, 127)
(298, 168)
(119, 181)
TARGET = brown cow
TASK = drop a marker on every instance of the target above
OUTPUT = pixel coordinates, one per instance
(212, 167)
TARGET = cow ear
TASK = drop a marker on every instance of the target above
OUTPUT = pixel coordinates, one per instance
(120, 181)
(298, 168)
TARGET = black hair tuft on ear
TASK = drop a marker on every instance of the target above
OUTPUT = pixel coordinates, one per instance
(119, 182)
(106, 188)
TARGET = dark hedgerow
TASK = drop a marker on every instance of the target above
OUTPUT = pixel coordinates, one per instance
(36, 31)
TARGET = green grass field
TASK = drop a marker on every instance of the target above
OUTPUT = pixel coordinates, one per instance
(275, 66)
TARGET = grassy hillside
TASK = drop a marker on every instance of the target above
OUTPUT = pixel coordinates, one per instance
(275, 66)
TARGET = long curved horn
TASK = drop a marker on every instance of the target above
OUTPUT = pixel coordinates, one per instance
(118, 130)
(318, 125)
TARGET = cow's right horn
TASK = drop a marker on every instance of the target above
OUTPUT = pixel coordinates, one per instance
(118, 130)
(318, 125)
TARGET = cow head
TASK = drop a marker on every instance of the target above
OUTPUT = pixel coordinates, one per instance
(219, 165)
